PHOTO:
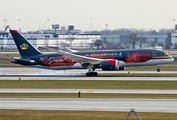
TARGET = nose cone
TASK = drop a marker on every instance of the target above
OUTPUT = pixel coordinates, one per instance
(172, 59)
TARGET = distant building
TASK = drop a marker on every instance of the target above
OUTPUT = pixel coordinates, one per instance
(4, 34)
(158, 48)
(110, 38)
(172, 38)
(124, 39)
(155, 38)
(80, 41)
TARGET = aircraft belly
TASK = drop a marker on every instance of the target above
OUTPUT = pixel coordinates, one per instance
(148, 63)
(75, 66)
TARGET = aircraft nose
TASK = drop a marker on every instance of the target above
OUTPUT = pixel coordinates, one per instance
(172, 59)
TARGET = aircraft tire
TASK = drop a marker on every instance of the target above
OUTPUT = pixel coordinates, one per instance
(158, 70)
(95, 73)
(91, 73)
(87, 74)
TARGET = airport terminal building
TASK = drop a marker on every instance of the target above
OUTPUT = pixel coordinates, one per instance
(79, 41)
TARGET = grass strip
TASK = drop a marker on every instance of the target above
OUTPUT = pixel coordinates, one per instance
(87, 95)
(9, 55)
(137, 74)
(88, 84)
(81, 115)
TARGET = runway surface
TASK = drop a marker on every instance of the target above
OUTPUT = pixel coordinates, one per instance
(125, 91)
(140, 105)
(55, 77)
(42, 74)
(75, 72)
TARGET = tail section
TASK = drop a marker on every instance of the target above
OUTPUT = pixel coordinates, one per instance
(25, 48)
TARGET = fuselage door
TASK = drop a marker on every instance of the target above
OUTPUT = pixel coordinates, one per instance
(154, 54)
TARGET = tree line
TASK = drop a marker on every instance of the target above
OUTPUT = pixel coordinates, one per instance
(127, 31)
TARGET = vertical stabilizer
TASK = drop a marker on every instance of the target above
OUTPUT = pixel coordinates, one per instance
(25, 48)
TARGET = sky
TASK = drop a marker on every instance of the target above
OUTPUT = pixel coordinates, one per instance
(88, 15)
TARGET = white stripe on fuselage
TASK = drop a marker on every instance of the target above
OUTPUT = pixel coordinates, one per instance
(149, 62)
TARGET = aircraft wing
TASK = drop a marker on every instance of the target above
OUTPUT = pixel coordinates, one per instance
(78, 58)
(73, 50)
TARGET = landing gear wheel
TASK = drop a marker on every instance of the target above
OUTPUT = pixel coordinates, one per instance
(87, 74)
(158, 70)
(91, 74)
(95, 74)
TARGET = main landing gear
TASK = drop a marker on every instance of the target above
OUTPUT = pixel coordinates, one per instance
(158, 70)
(91, 74)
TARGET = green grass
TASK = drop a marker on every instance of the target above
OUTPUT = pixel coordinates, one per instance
(5, 61)
(88, 84)
(136, 74)
(87, 95)
(81, 115)
(1, 50)
(9, 55)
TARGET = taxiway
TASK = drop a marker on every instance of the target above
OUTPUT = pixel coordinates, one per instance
(75, 72)
(124, 91)
(55, 77)
(140, 105)
(43, 74)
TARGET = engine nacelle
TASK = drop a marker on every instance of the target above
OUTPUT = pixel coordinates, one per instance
(110, 65)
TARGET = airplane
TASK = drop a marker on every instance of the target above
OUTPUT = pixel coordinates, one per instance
(109, 60)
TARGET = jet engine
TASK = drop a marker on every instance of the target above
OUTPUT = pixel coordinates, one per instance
(111, 65)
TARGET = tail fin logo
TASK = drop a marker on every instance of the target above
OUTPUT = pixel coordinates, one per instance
(24, 46)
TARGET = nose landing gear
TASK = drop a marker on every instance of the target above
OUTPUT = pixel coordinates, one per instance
(158, 70)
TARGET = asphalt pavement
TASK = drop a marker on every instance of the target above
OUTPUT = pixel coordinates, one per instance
(140, 105)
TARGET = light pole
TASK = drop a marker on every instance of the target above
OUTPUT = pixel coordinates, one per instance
(90, 24)
(5, 23)
(44, 26)
(164, 44)
(106, 27)
(19, 25)
(48, 23)
(173, 23)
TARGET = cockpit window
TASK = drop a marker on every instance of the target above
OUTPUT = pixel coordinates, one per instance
(162, 53)
(166, 54)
